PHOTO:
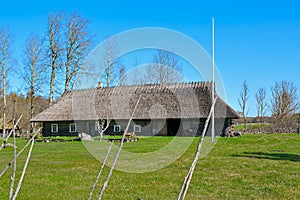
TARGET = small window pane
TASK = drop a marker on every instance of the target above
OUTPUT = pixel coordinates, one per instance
(117, 128)
(54, 128)
(72, 128)
(137, 128)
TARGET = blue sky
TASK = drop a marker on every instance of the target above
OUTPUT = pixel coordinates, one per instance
(257, 41)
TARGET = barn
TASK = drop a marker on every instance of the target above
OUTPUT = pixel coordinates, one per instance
(160, 109)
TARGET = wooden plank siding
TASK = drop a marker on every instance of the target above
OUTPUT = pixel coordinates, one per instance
(63, 129)
(159, 127)
(168, 127)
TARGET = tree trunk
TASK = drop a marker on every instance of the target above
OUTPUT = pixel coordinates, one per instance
(51, 85)
(108, 73)
(67, 81)
(4, 100)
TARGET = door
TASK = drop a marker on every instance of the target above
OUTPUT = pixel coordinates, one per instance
(173, 127)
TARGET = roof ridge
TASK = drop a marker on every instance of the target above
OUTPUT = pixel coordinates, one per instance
(177, 84)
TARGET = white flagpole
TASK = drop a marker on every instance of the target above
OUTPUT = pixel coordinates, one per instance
(213, 82)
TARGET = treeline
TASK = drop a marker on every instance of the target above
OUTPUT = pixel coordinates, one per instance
(18, 104)
(283, 106)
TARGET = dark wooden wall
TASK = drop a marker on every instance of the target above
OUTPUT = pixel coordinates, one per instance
(163, 127)
(63, 129)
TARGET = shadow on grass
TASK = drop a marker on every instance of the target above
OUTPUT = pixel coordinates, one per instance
(270, 156)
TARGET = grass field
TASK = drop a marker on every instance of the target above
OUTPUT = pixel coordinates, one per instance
(250, 126)
(250, 167)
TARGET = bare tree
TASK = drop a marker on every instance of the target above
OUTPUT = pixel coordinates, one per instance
(122, 76)
(54, 33)
(33, 68)
(77, 43)
(261, 103)
(102, 126)
(136, 76)
(110, 62)
(285, 100)
(5, 45)
(165, 68)
(243, 101)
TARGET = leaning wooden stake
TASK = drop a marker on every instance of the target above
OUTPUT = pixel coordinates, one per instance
(23, 172)
(15, 167)
(188, 178)
(6, 138)
(101, 169)
(19, 153)
(118, 152)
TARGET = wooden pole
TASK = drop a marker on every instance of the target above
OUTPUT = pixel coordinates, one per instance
(118, 152)
(6, 138)
(101, 169)
(213, 83)
(188, 178)
(24, 170)
(19, 153)
(15, 159)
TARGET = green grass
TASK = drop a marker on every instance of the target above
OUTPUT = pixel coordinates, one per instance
(251, 167)
(255, 126)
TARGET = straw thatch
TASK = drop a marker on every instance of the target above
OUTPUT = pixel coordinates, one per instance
(182, 100)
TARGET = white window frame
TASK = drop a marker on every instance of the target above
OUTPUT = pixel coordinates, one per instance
(117, 127)
(53, 129)
(137, 128)
(70, 127)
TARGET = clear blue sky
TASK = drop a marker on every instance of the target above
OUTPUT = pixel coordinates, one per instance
(257, 41)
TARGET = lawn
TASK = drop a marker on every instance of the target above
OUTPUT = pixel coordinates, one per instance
(251, 126)
(251, 167)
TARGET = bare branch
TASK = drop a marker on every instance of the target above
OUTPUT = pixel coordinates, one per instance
(77, 44)
(165, 68)
(33, 68)
(101, 128)
(55, 47)
(261, 103)
(111, 62)
(243, 100)
(285, 100)
(5, 45)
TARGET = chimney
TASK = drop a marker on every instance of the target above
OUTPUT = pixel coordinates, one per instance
(100, 85)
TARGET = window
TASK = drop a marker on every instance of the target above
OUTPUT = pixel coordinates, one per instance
(137, 128)
(117, 128)
(72, 128)
(54, 128)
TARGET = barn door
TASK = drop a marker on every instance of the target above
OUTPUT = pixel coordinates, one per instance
(173, 127)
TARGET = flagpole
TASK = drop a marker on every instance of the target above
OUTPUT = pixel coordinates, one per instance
(213, 82)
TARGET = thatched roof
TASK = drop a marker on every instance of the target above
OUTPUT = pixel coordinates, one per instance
(182, 100)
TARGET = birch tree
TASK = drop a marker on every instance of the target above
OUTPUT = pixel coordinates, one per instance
(33, 68)
(111, 62)
(55, 48)
(77, 43)
(5, 56)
